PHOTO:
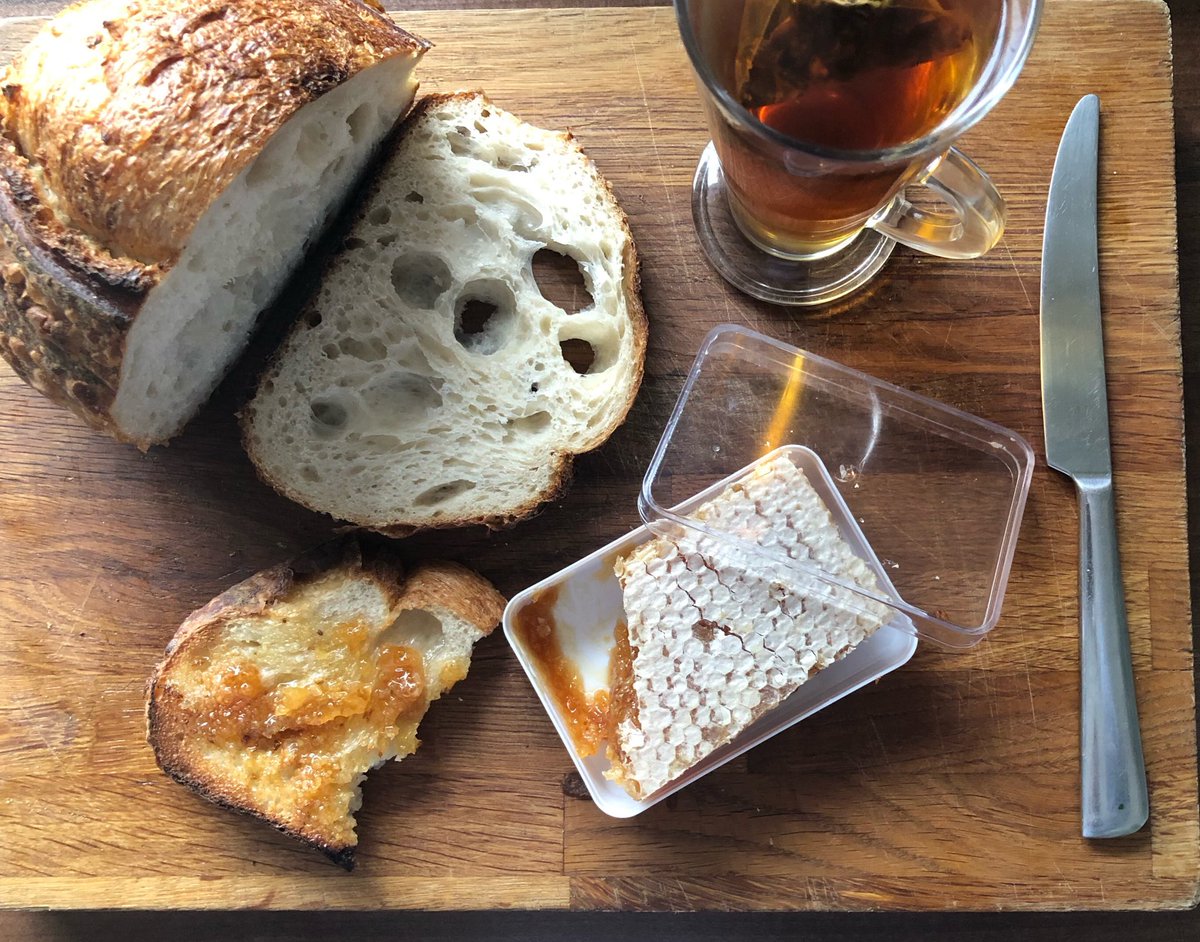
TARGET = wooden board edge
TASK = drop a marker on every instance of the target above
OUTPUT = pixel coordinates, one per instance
(335, 891)
(651, 894)
(1190, 897)
(358, 892)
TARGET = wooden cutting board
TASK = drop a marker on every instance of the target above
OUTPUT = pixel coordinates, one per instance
(951, 784)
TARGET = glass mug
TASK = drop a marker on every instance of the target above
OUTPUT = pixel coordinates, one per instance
(823, 112)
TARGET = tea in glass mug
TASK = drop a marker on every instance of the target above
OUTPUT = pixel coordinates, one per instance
(823, 111)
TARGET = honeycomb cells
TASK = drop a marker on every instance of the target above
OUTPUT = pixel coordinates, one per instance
(722, 635)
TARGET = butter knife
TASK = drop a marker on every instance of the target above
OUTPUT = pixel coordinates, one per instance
(1075, 412)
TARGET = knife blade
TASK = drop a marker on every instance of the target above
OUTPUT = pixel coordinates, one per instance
(1075, 416)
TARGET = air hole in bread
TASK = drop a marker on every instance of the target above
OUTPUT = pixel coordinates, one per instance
(328, 416)
(415, 628)
(387, 238)
(480, 127)
(414, 197)
(599, 336)
(579, 353)
(410, 357)
(369, 349)
(360, 120)
(535, 422)
(389, 443)
(473, 319)
(505, 208)
(506, 157)
(483, 316)
(401, 397)
(313, 318)
(312, 146)
(459, 213)
(353, 243)
(561, 280)
(420, 278)
(309, 473)
(380, 216)
(262, 170)
(443, 493)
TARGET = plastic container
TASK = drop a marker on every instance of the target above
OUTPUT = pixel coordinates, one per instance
(938, 493)
(929, 496)
(587, 606)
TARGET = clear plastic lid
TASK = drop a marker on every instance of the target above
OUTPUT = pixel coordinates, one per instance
(937, 493)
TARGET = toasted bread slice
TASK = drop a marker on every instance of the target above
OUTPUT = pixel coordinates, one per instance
(430, 382)
(279, 695)
(716, 638)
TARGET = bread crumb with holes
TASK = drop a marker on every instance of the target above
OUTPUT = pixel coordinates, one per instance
(480, 326)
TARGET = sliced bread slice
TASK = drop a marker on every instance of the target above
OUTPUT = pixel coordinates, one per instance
(427, 383)
(163, 166)
(278, 696)
(715, 638)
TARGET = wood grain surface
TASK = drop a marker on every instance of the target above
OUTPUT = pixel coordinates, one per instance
(950, 785)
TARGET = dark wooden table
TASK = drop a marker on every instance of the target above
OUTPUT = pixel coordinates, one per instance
(967, 926)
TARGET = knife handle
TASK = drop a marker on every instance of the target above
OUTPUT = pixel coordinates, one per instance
(1114, 774)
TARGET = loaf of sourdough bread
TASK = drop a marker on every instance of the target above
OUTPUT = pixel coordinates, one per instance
(430, 382)
(717, 637)
(163, 166)
(278, 696)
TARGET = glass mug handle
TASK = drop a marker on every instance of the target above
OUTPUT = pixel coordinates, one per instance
(971, 225)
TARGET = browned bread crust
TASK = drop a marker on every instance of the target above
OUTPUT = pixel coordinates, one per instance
(172, 728)
(61, 330)
(137, 114)
(119, 124)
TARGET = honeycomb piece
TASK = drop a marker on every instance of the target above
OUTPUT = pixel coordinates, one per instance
(720, 636)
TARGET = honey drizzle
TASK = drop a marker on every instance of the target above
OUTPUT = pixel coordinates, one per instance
(243, 707)
(297, 731)
(587, 718)
(620, 681)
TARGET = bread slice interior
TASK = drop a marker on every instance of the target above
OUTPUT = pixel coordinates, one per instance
(279, 696)
(243, 249)
(430, 381)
